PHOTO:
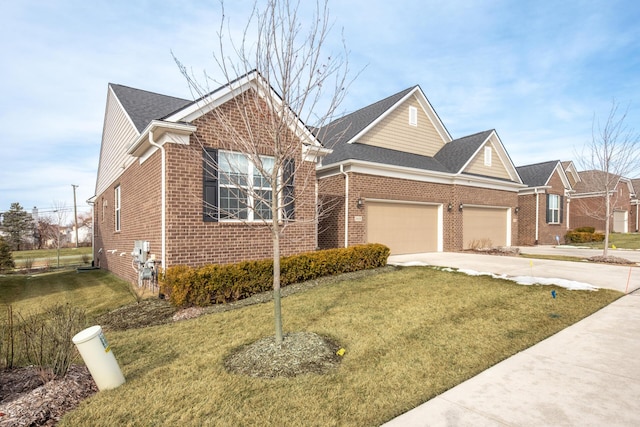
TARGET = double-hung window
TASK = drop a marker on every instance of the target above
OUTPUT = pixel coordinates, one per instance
(554, 209)
(238, 189)
(117, 207)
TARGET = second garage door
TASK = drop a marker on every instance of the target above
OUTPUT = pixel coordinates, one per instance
(404, 227)
(485, 227)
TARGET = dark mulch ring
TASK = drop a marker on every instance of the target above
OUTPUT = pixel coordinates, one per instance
(300, 353)
(27, 400)
(610, 260)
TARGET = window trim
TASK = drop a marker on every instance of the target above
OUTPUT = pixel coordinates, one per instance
(117, 196)
(554, 210)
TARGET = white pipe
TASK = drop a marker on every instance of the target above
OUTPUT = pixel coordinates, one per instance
(346, 206)
(537, 213)
(163, 196)
(317, 219)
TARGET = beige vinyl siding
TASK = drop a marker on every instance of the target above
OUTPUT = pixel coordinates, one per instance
(395, 132)
(497, 168)
(404, 228)
(117, 134)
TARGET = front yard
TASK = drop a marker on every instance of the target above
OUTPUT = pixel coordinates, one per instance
(409, 334)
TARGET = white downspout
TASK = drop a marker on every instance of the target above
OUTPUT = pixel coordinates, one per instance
(346, 206)
(163, 196)
(317, 217)
(537, 213)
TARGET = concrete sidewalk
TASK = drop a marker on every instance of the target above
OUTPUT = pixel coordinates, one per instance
(586, 375)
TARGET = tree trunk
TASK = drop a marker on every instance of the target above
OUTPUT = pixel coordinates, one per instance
(607, 200)
(277, 305)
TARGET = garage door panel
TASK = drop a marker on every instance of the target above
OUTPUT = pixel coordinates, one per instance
(484, 225)
(620, 222)
(404, 228)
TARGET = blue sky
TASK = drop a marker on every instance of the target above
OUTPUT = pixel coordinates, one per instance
(536, 71)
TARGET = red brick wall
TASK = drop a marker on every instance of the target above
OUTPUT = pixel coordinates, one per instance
(376, 187)
(526, 218)
(191, 240)
(140, 218)
(591, 211)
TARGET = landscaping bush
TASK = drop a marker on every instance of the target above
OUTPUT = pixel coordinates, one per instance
(187, 286)
(579, 235)
(6, 257)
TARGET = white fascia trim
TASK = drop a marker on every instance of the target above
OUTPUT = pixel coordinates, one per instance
(314, 153)
(587, 195)
(533, 190)
(142, 144)
(426, 106)
(390, 171)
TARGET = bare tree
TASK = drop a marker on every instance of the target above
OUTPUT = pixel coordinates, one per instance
(264, 128)
(613, 153)
(57, 222)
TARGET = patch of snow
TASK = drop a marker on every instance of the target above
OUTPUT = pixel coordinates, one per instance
(571, 285)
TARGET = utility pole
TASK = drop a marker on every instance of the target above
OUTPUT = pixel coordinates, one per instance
(75, 211)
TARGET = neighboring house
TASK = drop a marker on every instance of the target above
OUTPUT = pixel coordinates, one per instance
(155, 183)
(544, 206)
(397, 177)
(588, 202)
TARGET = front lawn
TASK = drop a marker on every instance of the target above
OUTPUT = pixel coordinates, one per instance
(619, 240)
(409, 334)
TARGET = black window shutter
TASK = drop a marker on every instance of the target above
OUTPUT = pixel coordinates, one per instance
(548, 210)
(288, 196)
(210, 185)
(561, 208)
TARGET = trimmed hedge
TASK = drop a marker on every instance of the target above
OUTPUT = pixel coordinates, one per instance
(583, 235)
(213, 283)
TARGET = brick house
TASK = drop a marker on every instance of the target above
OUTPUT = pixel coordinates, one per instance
(544, 206)
(155, 183)
(635, 205)
(396, 176)
(589, 208)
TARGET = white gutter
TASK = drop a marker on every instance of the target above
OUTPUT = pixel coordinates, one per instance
(346, 206)
(163, 190)
(537, 212)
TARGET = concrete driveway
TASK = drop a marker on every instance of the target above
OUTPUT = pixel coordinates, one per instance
(586, 375)
(621, 278)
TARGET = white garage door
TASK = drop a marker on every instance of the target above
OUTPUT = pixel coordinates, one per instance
(620, 222)
(485, 227)
(404, 227)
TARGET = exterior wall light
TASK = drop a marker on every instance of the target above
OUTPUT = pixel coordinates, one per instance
(360, 202)
(517, 209)
(460, 207)
(449, 207)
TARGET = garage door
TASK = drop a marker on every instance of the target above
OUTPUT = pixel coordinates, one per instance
(486, 227)
(405, 228)
(620, 223)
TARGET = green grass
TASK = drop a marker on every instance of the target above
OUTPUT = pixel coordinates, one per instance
(553, 257)
(96, 291)
(620, 240)
(51, 253)
(409, 335)
(40, 258)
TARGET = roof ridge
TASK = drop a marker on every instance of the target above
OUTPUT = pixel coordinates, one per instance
(148, 91)
(540, 163)
(380, 101)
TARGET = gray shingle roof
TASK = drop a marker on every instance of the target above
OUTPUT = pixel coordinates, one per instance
(455, 154)
(538, 174)
(143, 106)
(593, 181)
(346, 127)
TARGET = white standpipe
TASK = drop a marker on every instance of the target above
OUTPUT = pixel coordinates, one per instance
(97, 355)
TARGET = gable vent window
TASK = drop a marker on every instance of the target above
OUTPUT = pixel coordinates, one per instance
(487, 156)
(413, 116)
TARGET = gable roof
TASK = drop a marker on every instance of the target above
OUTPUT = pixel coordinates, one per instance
(143, 106)
(457, 153)
(538, 174)
(636, 186)
(591, 181)
(348, 127)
